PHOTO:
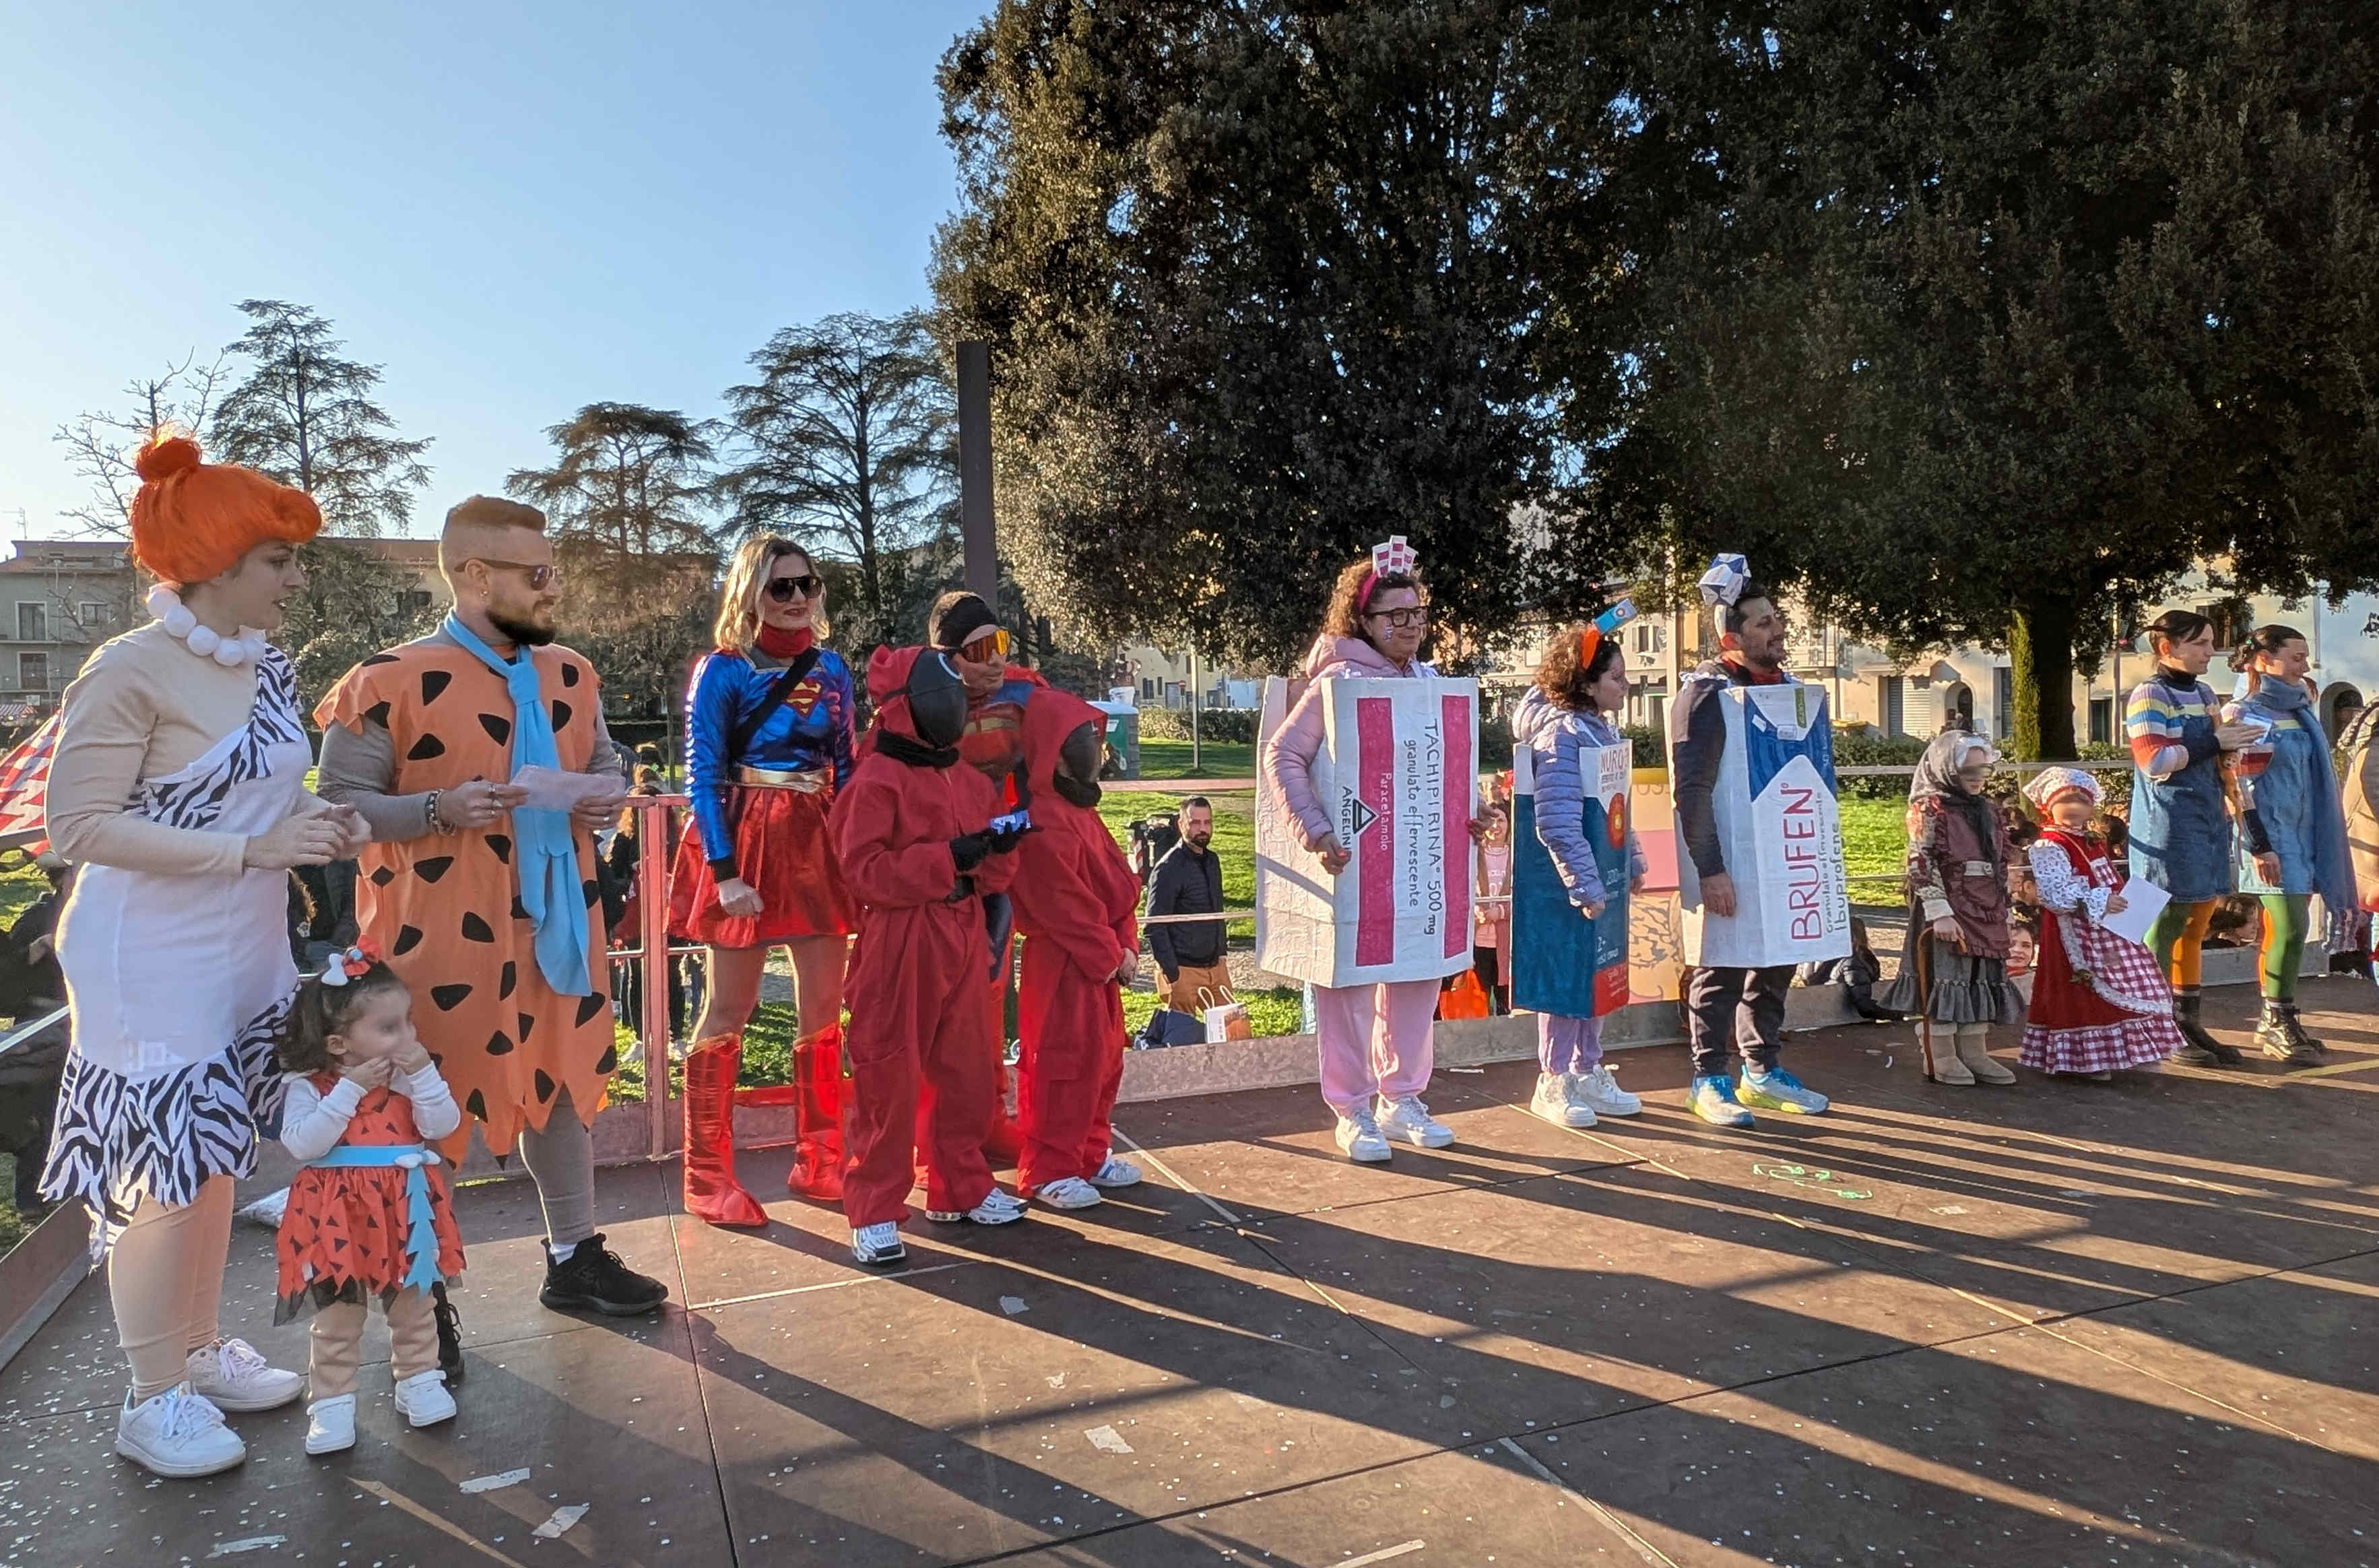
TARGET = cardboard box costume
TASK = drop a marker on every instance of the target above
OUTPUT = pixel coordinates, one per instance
(1397, 774)
(1780, 828)
(1561, 962)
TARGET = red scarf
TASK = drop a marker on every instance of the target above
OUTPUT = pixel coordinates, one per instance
(779, 644)
(1752, 677)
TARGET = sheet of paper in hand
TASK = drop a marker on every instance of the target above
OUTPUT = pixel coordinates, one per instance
(1780, 831)
(550, 788)
(1397, 772)
(1563, 962)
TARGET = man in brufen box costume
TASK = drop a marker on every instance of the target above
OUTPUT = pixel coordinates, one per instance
(914, 834)
(1075, 896)
(489, 912)
(1751, 653)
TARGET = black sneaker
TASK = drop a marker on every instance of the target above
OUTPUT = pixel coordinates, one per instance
(450, 1335)
(594, 1278)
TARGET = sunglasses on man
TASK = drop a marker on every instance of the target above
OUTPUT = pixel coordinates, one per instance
(785, 590)
(539, 577)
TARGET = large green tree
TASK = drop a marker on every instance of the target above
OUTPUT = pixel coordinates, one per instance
(1986, 323)
(1258, 293)
(626, 478)
(844, 440)
(306, 415)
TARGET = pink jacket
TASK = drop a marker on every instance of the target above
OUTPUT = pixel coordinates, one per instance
(1288, 758)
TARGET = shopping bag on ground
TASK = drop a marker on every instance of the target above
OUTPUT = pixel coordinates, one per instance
(1165, 1026)
(1227, 1017)
(1465, 998)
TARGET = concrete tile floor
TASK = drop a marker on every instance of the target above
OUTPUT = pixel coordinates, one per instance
(2053, 1323)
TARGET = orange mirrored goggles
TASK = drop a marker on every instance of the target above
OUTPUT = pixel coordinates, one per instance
(990, 643)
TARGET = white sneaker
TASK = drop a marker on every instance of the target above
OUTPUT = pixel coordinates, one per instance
(1409, 1121)
(879, 1246)
(331, 1425)
(232, 1376)
(1070, 1192)
(422, 1399)
(1554, 1102)
(1115, 1173)
(1358, 1137)
(1599, 1092)
(1000, 1207)
(177, 1434)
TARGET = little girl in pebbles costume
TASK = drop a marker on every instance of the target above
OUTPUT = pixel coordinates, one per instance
(370, 1215)
(2099, 1003)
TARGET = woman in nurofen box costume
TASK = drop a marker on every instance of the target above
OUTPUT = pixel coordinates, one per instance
(1374, 1040)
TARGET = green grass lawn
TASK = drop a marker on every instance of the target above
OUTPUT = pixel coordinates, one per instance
(1162, 757)
(1875, 843)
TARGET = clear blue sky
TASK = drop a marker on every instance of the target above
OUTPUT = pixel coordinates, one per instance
(515, 209)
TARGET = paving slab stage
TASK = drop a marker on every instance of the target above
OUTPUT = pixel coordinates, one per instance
(2135, 1323)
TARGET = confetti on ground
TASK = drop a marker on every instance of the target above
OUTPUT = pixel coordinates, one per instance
(1106, 1439)
(250, 1543)
(1011, 1304)
(497, 1482)
(555, 1528)
(1815, 1180)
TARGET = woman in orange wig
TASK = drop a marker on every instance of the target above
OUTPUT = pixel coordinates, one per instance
(178, 785)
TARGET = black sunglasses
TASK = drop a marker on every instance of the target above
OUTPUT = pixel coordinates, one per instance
(785, 590)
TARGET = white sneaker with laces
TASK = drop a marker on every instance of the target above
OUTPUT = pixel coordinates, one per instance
(1070, 1192)
(1554, 1102)
(1358, 1137)
(422, 1399)
(331, 1425)
(1116, 1172)
(879, 1246)
(1601, 1093)
(1409, 1121)
(232, 1376)
(177, 1434)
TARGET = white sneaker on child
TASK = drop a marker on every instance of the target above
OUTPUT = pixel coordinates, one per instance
(232, 1376)
(422, 1399)
(1554, 1102)
(1599, 1092)
(331, 1425)
(879, 1246)
(1116, 1172)
(1409, 1121)
(1358, 1135)
(1070, 1192)
(177, 1434)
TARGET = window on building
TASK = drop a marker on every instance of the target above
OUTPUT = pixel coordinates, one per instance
(93, 614)
(2002, 702)
(1148, 688)
(1891, 703)
(33, 671)
(32, 623)
(2102, 721)
(1643, 636)
(1656, 708)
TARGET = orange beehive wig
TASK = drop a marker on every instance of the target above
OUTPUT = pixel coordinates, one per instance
(193, 520)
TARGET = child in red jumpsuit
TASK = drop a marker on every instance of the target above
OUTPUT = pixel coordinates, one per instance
(1075, 897)
(912, 829)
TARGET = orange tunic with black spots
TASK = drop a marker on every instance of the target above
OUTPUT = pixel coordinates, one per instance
(445, 906)
(343, 1232)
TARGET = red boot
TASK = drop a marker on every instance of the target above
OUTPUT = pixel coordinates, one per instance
(818, 1117)
(711, 1192)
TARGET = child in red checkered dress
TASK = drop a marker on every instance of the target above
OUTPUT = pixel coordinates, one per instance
(2100, 1001)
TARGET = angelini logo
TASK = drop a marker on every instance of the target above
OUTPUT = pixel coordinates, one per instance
(1360, 816)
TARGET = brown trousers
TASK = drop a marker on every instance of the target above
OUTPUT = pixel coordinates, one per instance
(1181, 993)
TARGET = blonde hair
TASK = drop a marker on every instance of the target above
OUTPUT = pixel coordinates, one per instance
(747, 574)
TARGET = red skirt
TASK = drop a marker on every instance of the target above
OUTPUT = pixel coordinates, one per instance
(783, 852)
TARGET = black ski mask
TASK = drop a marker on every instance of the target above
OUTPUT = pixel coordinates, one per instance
(937, 700)
(1077, 774)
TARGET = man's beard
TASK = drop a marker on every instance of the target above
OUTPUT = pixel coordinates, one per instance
(525, 634)
(1197, 840)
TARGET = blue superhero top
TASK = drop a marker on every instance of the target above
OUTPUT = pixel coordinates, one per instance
(811, 730)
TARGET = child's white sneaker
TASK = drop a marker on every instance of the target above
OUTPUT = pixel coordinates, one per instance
(1409, 1121)
(1553, 1103)
(1070, 1192)
(331, 1425)
(879, 1246)
(1601, 1092)
(422, 1399)
(177, 1434)
(1359, 1136)
(1115, 1172)
(234, 1377)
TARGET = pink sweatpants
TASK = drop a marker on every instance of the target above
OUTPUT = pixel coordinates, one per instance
(1374, 1040)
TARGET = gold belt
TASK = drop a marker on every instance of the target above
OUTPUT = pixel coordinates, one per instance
(809, 780)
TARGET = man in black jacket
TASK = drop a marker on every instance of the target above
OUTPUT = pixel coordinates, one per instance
(1746, 1003)
(1189, 880)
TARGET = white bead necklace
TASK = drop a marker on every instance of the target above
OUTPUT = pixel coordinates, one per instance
(167, 606)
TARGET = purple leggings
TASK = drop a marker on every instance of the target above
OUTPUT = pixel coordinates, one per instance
(1567, 1045)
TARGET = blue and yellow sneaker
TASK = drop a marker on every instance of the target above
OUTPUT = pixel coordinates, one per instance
(1712, 1099)
(1779, 1091)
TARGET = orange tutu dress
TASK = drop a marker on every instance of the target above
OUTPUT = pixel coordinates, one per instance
(345, 1229)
